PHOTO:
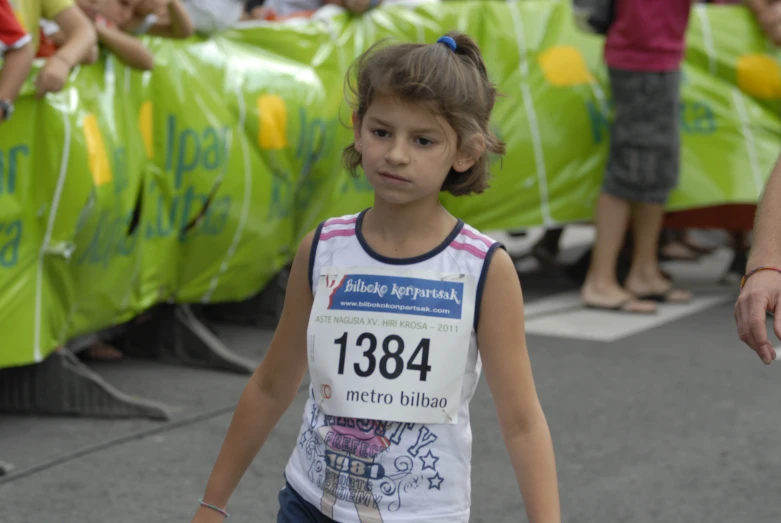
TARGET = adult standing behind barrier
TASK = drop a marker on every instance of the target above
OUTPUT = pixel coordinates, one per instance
(760, 291)
(643, 50)
(80, 37)
(18, 54)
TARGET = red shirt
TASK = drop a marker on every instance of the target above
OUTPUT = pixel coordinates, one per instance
(12, 35)
(648, 35)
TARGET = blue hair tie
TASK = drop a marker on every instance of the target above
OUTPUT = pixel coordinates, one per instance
(448, 42)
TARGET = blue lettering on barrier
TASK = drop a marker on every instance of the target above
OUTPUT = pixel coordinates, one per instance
(281, 205)
(189, 150)
(697, 118)
(600, 124)
(9, 166)
(397, 294)
(11, 231)
(109, 239)
(10, 239)
(172, 216)
(120, 170)
(315, 141)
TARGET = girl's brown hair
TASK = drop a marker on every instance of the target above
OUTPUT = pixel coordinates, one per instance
(454, 82)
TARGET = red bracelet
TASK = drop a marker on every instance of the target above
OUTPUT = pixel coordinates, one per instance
(748, 274)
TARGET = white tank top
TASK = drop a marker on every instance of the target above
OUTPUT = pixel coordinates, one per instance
(421, 473)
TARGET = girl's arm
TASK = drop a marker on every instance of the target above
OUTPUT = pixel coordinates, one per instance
(128, 48)
(78, 35)
(502, 342)
(16, 66)
(270, 391)
(77, 44)
(94, 53)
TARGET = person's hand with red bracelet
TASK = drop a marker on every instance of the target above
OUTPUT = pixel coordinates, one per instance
(761, 289)
(760, 294)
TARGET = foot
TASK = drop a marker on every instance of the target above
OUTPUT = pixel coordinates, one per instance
(614, 297)
(101, 351)
(679, 251)
(698, 247)
(656, 288)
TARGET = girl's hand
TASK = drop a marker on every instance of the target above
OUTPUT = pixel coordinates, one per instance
(53, 76)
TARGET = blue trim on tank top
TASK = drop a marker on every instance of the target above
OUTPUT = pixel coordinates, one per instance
(404, 261)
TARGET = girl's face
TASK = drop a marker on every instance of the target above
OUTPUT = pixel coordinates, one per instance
(407, 150)
(119, 11)
(92, 8)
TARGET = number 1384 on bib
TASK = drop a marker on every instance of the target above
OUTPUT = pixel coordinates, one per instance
(391, 362)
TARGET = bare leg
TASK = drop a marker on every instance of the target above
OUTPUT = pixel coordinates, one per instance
(645, 277)
(601, 287)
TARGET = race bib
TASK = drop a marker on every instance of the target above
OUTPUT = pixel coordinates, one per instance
(389, 344)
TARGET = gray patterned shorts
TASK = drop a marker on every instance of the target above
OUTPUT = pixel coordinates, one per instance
(644, 141)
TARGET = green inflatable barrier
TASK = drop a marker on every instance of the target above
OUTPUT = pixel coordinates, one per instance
(194, 183)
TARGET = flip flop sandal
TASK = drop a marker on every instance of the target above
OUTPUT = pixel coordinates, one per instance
(665, 297)
(624, 306)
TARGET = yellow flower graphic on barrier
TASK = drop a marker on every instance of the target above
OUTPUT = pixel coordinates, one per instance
(564, 66)
(99, 165)
(272, 112)
(759, 75)
(146, 125)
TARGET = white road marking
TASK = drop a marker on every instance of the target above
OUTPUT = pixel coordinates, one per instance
(564, 316)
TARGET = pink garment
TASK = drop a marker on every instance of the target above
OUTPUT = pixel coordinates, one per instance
(648, 35)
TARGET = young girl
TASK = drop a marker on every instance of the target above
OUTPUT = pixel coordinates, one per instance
(394, 311)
